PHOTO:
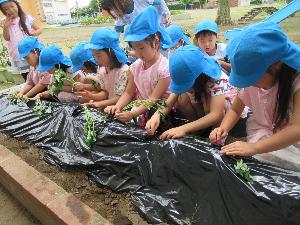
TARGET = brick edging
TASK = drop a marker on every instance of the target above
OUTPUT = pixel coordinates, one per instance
(43, 198)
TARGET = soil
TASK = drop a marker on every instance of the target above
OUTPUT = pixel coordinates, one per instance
(115, 207)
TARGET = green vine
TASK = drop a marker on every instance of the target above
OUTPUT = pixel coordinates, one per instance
(15, 99)
(242, 169)
(59, 78)
(148, 104)
(89, 129)
(41, 108)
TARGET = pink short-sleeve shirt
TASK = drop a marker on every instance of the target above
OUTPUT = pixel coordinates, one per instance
(146, 80)
(35, 77)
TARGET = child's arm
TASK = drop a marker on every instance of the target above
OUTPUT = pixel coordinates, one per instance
(225, 65)
(215, 116)
(100, 96)
(35, 90)
(103, 104)
(229, 121)
(159, 90)
(153, 123)
(7, 24)
(36, 30)
(25, 89)
(125, 98)
(279, 140)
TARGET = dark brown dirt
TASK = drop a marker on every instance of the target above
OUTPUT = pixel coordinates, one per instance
(112, 206)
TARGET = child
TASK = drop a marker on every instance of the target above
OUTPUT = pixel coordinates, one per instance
(111, 79)
(30, 49)
(126, 11)
(206, 38)
(83, 60)
(192, 71)
(16, 26)
(265, 64)
(149, 78)
(178, 38)
(51, 60)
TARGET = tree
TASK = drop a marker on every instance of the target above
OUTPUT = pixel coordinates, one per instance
(223, 17)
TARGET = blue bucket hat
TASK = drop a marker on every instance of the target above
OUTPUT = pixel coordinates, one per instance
(255, 49)
(176, 34)
(187, 63)
(206, 25)
(28, 44)
(50, 56)
(79, 55)
(107, 38)
(145, 24)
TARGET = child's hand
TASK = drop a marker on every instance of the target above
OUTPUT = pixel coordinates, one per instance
(113, 109)
(153, 124)
(239, 148)
(218, 136)
(84, 94)
(173, 133)
(93, 104)
(36, 97)
(124, 117)
(78, 86)
(8, 21)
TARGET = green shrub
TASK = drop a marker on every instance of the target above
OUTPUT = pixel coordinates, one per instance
(96, 20)
(176, 12)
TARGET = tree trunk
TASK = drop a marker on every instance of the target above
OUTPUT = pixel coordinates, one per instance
(223, 17)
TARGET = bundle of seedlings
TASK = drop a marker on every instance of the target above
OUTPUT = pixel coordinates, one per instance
(89, 129)
(41, 108)
(243, 170)
(14, 98)
(59, 79)
(156, 105)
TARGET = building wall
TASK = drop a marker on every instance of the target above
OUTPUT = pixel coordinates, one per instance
(56, 10)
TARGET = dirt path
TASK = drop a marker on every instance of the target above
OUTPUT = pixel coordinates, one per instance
(12, 213)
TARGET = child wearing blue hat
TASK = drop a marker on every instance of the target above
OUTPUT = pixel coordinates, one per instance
(16, 26)
(194, 72)
(37, 82)
(178, 38)
(206, 38)
(149, 78)
(265, 63)
(83, 60)
(51, 60)
(111, 79)
(127, 10)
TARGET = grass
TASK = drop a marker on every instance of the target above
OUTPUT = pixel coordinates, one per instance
(4, 84)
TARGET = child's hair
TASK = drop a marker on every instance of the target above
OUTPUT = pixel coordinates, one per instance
(200, 87)
(150, 39)
(205, 32)
(91, 67)
(62, 67)
(286, 78)
(22, 16)
(113, 58)
(116, 5)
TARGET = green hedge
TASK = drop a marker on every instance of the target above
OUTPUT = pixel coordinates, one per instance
(96, 20)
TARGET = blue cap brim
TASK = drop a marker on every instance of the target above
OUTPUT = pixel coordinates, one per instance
(76, 68)
(45, 68)
(135, 37)
(66, 61)
(25, 54)
(181, 88)
(174, 43)
(93, 46)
